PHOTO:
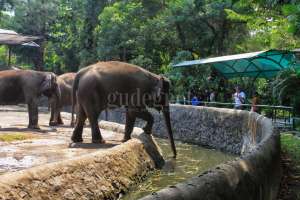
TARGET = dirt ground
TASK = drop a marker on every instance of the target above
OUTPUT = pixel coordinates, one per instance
(47, 145)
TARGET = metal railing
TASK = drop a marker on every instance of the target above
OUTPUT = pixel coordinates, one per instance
(282, 116)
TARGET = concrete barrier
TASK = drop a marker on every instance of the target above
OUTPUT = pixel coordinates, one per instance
(99, 175)
(255, 175)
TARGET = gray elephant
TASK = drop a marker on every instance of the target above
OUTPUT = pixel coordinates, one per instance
(114, 84)
(65, 83)
(26, 86)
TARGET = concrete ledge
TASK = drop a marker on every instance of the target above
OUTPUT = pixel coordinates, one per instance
(99, 175)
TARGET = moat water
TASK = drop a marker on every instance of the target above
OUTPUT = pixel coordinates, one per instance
(191, 160)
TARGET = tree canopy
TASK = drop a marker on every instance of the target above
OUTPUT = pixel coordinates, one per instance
(152, 34)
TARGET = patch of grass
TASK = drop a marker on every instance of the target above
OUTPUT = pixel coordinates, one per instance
(290, 144)
(9, 137)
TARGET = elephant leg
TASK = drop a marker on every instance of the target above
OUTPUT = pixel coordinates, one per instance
(77, 133)
(33, 115)
(51, 114)
(59, 120)
(55, 118)
(130, 120)
(75, 119)
(146, 115)
(92, 115)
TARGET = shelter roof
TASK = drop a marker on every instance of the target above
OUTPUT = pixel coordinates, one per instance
(9, 37)
(264, 64)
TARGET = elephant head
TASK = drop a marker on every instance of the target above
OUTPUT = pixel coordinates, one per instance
(161, 103)
(49, 86)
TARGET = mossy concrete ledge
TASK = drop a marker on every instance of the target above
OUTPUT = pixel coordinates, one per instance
(99, 175)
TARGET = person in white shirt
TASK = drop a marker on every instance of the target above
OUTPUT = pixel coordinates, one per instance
(239, 98)
(212, 96)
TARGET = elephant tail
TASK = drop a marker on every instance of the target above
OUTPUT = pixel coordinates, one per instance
(74, 96)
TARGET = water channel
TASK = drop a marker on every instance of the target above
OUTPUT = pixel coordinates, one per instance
(191, 161)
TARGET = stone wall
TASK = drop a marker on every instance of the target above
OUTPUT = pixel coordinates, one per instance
(99, 175)
(222, 129)
(255, 175)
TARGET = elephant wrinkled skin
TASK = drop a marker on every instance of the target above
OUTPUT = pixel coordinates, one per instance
(26, 86)
(114, 84)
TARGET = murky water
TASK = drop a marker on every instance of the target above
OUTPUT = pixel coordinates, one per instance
(191, 161)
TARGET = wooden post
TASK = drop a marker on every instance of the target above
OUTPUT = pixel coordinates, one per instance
(9, 56)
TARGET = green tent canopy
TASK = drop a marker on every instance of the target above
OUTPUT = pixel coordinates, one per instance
(261, 64)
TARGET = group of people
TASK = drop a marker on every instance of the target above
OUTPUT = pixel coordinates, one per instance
(208, 96)
(239, 99)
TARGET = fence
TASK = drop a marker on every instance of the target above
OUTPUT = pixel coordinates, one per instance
(282, 116)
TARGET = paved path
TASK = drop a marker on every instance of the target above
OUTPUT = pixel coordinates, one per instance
(49, 144)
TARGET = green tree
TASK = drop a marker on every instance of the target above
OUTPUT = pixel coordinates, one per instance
(5, 5)
(35, 17)
(62, 50)
(286, 88)
(268, 27)
(88, 40)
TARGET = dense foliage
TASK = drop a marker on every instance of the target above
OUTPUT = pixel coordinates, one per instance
(153, 34)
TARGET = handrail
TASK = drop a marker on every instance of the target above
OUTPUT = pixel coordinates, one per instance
(222, 103)
(286, 120)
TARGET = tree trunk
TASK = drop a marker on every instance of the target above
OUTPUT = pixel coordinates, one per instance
(181, 35)
(38, 60)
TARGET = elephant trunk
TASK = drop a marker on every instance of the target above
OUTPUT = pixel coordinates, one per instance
(166, 113)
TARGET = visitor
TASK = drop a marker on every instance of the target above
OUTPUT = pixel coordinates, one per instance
(195, 101)
(212, 96)
(239, 98)
(255, 101)
(206, 95)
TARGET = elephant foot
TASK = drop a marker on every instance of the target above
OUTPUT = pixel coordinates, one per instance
(147, 130)
(52, 123)
(37, 127)
(101, 141)
(76, 140)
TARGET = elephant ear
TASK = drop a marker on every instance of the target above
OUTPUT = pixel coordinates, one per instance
(48, 82)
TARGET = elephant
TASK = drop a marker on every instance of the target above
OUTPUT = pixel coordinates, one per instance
(65, 83)
(26, 86)
(114, 84)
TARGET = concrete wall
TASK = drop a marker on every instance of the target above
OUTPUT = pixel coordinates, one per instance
(99, 175)
(253, 176)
